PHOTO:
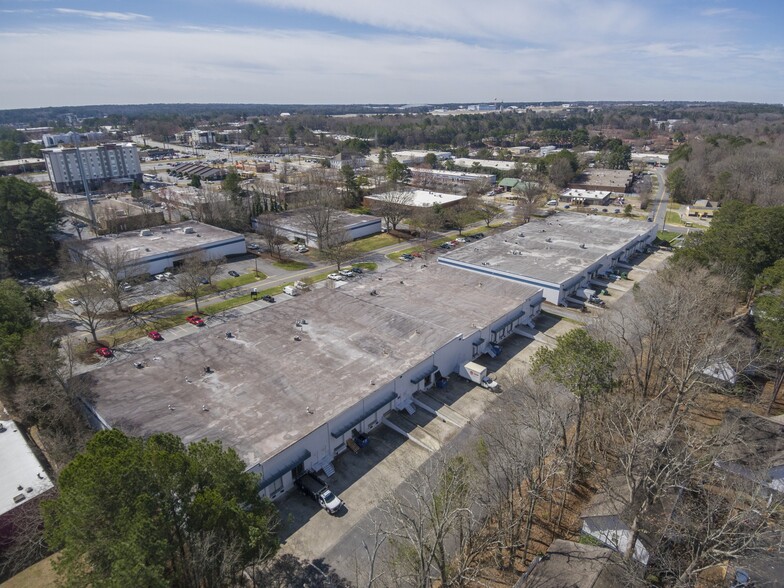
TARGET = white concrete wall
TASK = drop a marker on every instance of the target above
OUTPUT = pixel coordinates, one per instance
(159, 263)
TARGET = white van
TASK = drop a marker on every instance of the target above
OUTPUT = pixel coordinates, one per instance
(552, 203)
(290, 290)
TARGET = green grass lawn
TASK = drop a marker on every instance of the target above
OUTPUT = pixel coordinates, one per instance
(673, 218)
(219, 286)
(291, 265)
(366, 265)
(418, 249)
(667, 235)
(230, 283)
(368, 244)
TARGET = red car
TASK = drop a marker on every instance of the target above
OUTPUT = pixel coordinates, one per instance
(155, 336)
(195, 320)
(104, 352)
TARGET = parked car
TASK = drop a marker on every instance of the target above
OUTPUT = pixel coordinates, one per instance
(74, 302)
(617, 211)
(357, 270)
(155, 336)
(446, 245)
(267, 298)
(160, 277)
(461, 240)
(204, 281)
(104, 352)
(195, 320)
(346, 273)
(479, 235)
(650, 219)
(126, 287)
(567, 205)
(168, 275)
(336, 277)
(253, 246)
(406, 257)
(302, 249)
(234, 274)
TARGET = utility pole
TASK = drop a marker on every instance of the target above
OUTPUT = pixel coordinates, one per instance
(94, 224)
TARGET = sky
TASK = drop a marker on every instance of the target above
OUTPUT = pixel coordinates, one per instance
(78, 52)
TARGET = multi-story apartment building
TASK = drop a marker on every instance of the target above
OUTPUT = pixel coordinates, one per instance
(111, 162)
(72, 138)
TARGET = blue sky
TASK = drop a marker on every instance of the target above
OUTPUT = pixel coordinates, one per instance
(58, 52)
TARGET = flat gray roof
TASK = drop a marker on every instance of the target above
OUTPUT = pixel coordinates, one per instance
(20, 467)
(164, 239)
(264, 381)
(551, 249)
(297, 220)
(617, 178)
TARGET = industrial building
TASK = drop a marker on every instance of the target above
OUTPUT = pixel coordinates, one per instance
(416, 198)
(115, 215)
(427, 177)
(610, 180)
(294, 381)
(296, 225)
(586, 197)
(151, 251)
(347, 159)
(70, 168)
(414, 156)
(564, 254)
(204, 172)
(23, 481)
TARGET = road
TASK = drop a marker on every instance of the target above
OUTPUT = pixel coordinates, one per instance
(661, 199)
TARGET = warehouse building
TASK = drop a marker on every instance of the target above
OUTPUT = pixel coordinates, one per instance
(70, 168)
(22, 484)
(296, 225)
(414, 199)
(294, 381)
(562, 254)
(152, 251)
(609, 180)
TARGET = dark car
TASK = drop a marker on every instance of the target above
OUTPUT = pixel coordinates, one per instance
(268, 298)
(233, 274)
(204, 281)
(357, 270)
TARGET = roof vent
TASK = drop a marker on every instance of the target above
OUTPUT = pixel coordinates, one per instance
(145, 233)
(188, 230)
(19, 498)
(582, 246)
(549, 240)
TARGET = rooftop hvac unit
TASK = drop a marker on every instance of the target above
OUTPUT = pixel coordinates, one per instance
(582, 246)
(188, 230)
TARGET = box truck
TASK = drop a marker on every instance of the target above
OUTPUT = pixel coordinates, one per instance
(478, 374)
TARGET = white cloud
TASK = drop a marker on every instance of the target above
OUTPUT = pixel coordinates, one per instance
(532, 21)
(81, 66)
(95, 15)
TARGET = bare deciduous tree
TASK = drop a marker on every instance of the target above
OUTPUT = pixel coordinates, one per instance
(195, 275)
(393, 207)
(268, 229)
